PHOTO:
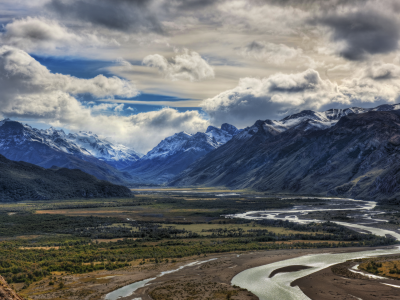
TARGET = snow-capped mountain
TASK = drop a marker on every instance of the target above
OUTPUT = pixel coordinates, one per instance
(223, 134)
(311, 120)
(52, 147)
(357, 155)
(116, 155)
(175, 153)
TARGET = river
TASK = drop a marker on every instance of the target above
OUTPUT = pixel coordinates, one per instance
(257, 279)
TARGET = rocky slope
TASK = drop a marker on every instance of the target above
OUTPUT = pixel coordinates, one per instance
(6, 292)
(25, 181)
(175, 153)
(47, 148)
(358, 156)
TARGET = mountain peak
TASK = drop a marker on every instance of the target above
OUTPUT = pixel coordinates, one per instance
(229, 128)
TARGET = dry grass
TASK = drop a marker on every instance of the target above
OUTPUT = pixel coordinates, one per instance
(39, 248)
(198, 228)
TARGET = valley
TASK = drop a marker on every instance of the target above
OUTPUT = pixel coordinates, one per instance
(87, 248)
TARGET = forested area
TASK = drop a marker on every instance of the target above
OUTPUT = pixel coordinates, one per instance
(67, 244)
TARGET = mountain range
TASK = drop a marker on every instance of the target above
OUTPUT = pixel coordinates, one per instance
(106, 160)
(48, 148)
(344, 152)
(352, 152)
(175, 153)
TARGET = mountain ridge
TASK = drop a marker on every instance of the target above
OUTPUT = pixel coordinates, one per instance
(356, 157)
(25, 181)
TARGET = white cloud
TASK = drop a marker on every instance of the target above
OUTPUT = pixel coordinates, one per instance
(282, 94)
(376, 82)
(119, 108)
(20, 73)
(102, 107)
(31, 90)
(263, 98)
(186, 66)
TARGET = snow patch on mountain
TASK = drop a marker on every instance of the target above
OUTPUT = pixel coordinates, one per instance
(115, 154)
(200, 142)
(310, 120)
(82, 144)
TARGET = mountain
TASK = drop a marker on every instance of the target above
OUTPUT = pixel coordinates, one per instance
(47, 148)
(116, 155)
(25, 181)
(357, 156)
(322, 120)
(175, 153)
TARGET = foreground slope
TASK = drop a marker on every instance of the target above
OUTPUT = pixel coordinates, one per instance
(358, 157)
(175, 153)
(25, 181)
(6, 292)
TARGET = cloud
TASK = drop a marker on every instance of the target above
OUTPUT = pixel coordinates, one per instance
(272, 53)
(186, 66)
(362, 30)
(264, 98)
(282, 94)
(377, 81)
(30, 90)
(21, 74)
(123, 63)
(36, 34)
(102, 107)
(124, 15)
(119, 108)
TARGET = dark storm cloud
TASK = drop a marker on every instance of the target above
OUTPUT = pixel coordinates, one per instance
(132, 15)
(309, 4)
(192, 4)
(368, 30)
(254, 46)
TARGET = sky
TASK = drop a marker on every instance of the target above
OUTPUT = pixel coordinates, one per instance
(137, 71)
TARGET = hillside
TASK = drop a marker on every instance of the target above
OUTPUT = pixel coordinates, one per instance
(357, 157)
(25, 181)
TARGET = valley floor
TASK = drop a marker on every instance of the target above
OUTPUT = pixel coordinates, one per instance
(326, 285)
(211, 280)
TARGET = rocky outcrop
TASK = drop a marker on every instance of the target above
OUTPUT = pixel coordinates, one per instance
(6, 292)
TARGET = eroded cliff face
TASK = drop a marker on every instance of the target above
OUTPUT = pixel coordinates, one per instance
(6, 292)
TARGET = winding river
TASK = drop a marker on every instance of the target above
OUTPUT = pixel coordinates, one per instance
(257, 279)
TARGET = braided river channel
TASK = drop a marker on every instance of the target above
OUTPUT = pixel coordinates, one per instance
(278, 286)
